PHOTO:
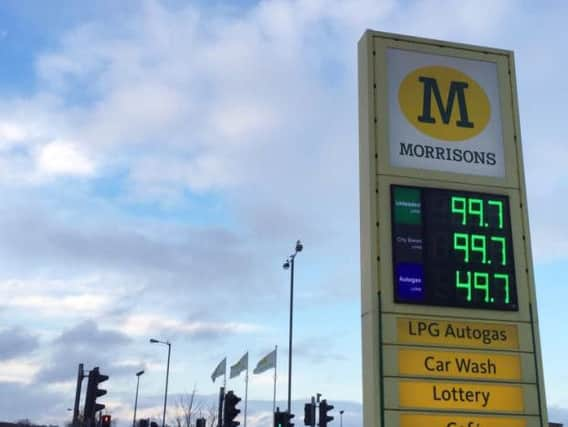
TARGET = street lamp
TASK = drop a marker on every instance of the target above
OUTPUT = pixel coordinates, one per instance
(341, 417)
(289, 264)
(155, 341)
(136, 398)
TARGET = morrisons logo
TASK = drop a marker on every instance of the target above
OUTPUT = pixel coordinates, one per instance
(424, 151)
(444, 103)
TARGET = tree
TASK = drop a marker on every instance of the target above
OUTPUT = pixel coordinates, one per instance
(211, 414)
(186, 408)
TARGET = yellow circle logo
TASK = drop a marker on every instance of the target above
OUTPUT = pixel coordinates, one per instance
(444, 103)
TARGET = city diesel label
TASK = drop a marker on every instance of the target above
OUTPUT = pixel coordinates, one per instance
(462, 396)
(457, 334)
(459, 364)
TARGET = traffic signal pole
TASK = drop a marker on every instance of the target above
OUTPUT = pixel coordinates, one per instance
(221, 399)
(80, 376)
(290, 333)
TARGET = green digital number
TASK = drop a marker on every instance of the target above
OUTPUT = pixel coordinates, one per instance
(461, 243)
(499, 205)
(464, 285)
(478, 244)
(501, 242)
(505, 279)
(459, 206)
(475, 208)
(481, 282)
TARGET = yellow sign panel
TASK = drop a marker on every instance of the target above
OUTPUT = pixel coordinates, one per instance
(452, 333)
(411, 420)
(458, 364)
(464, 396)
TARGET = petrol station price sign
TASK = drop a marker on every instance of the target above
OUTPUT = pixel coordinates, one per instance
(452, 248)
(449, 318)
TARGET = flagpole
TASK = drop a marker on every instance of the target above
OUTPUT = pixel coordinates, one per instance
(225, 377)
(275, 369)
(246, 392)
(222, 405)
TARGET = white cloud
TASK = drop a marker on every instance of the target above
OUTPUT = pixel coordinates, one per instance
(18, 371)
(11, 132)
(62, 298)
(72, 305)
(239, 121)
(64, 158)
(145, 324)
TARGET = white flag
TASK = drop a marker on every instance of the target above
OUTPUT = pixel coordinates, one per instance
(219, 370)
(240, 366)
(266, 363)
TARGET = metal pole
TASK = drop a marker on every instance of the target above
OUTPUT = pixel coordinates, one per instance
(166, 393)
(246, 393)
(341, 418)
(290, 332)
(80, 376)
(275, 370)
(136, 400)
(221, 399)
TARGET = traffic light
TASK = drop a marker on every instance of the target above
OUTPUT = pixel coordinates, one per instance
(288, 419)
(105, 421)
(310, 414)
(94, 392)
(283, 419)
(323, 410)
(200, 422)
(231, 411)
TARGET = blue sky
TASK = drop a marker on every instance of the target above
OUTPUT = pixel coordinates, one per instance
(159, 159)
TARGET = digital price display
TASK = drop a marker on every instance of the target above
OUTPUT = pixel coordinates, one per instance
(452, 248)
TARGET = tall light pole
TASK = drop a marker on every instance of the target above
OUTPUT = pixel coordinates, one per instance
(155, 341)
(289, 264)
(136, 398)
(341, 418)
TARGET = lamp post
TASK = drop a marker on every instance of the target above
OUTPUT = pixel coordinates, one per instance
(136, 398)
(155, 341)
(289, 264)
(341, 418)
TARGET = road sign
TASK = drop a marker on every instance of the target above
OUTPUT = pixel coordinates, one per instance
(448, 298)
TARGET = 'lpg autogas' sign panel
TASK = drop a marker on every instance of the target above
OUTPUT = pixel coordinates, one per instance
(444, 114)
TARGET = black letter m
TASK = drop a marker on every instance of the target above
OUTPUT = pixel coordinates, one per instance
(431, 86)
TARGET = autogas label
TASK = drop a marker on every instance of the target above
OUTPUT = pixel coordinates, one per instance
(452, 333)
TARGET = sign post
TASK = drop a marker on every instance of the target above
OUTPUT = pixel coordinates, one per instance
(449, 319)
